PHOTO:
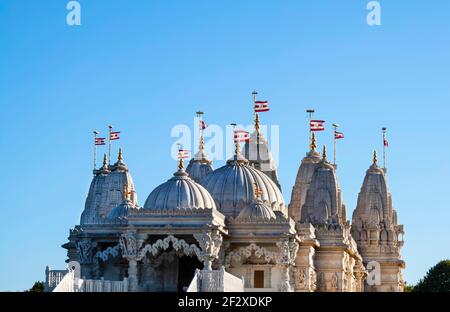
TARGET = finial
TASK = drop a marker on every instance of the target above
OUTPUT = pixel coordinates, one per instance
(324, 153)
(125, 192)
(257, 190)
(313, 142)
(257, 122)
(104, 160)
(238, 148)
(201, 145)
(120, 158)
(375, 159)
(180, 164)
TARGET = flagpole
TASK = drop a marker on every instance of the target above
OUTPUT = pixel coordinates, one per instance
(335, 126)
(310, 112)
(109, 149)
(95, 149)
(254, 93)
(200, 129)
(236, 143)
(384, 129)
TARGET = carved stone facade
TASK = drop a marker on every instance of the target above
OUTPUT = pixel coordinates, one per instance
(231, 225)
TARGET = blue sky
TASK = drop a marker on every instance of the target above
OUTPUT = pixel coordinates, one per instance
(145, 66)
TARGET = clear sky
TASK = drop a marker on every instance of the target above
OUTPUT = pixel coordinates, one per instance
(145, 66)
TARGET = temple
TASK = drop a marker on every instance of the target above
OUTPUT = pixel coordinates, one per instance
(230, 229)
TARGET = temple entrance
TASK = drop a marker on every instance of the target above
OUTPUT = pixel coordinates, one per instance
(186, 271)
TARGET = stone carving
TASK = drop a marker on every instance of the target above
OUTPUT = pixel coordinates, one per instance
(246, 252)
(164, 244)
(130, 246)
(300, 278)
(210, 243)
(335, 281)
(286, 260)
(104, 255)
(84, 251)
(322, 283)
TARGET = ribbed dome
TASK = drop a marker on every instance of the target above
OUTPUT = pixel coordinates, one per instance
(180, 192)
(257, 211)
(107, 191)
(232, 187)
(122, 210)
(199, 166)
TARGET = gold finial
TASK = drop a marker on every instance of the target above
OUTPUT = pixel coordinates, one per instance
(126, 192)
(375, 159)
(120, 158)
(313, 142)
(180, 164)
(324, 153)
(104, 160)
(257, 190)
(257, 122)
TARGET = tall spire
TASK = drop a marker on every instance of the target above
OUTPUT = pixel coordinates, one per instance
(375, 159)
(324, 154)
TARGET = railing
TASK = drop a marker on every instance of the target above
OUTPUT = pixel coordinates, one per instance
(215, 281)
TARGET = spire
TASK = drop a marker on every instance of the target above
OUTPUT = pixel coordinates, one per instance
(104, 160)
(120, 157)
(375, 159)
(180, 164)
(257, 123)
(313, 142)
(324, 154)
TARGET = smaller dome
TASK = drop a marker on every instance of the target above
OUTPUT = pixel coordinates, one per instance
(199, 166)
(257, 211)
(122, 210)
(180, 192)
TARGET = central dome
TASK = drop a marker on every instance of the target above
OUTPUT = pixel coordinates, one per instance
(233, 187)
(179, 193)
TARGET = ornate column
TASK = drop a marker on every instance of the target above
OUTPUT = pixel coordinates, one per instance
(288, 252)
(210, 243)
(130, 250)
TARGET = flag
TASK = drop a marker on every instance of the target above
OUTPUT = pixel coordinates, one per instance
(114, 136)
(100, 141)
(241, 136)
(261, 106)
(317, 125)
(203, 125)
(386, 143)
(338, 135)
(183, 154)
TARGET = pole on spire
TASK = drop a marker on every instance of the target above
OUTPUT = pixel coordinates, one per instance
(335, 126)
(109, 148)
(238, 147)
(254, 93)
(95, 148)
(180, 158)
(201, 144)
(311, 133)
(324, 153)
(384, 129)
